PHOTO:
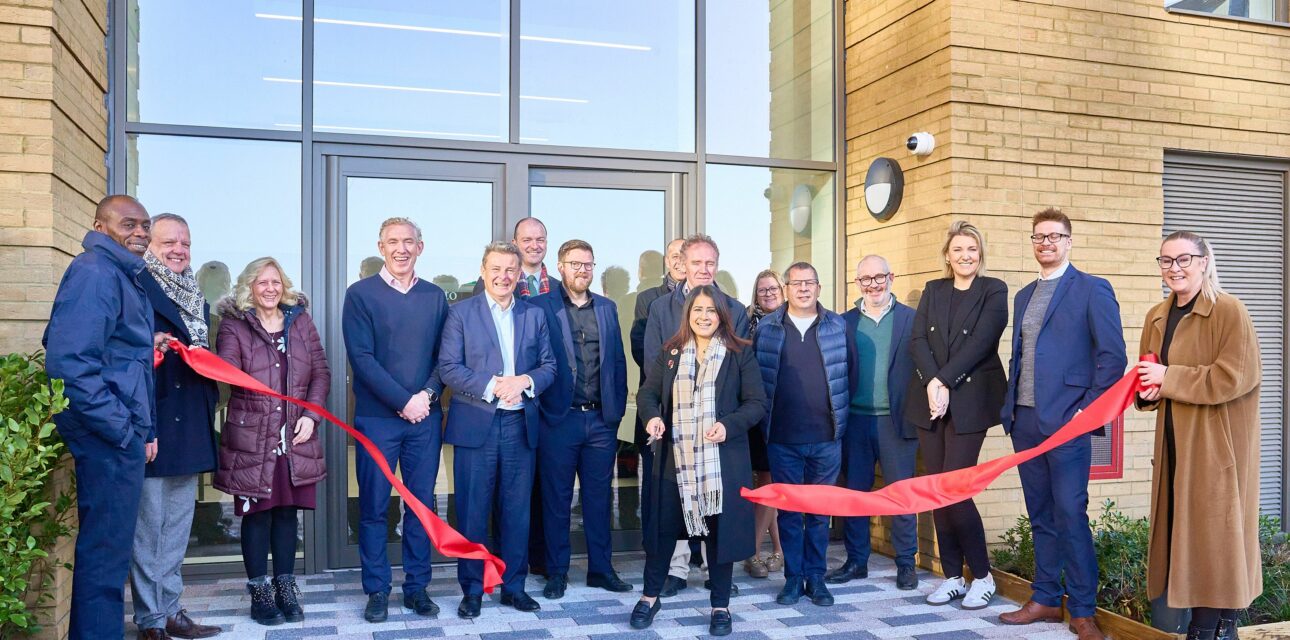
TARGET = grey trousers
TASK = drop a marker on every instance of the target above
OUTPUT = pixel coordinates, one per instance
(160, 542)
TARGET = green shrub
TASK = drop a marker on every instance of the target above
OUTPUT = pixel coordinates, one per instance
(31, 520)
(1017, 555)
(1274, 604)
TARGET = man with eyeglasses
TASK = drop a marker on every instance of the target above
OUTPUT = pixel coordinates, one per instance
(1067, 349)
(877, 431)
(808, 365)
(699, 257)
(580, 415)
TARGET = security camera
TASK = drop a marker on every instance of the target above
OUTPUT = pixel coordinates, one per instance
(921, 143)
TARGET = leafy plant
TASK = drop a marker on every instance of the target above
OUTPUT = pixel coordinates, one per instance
(31, 519)
(1121, 546)
(1017, 555)
(1274, 604)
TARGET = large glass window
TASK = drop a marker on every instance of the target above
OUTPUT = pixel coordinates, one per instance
(608, 74)
(233, 63)
(768, 219)
(1267, 10)
(403, 68)
(770, 79)
(242, 201)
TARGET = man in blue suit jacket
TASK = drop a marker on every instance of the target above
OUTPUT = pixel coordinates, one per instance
(580, 416)
(496, 357)
(1067, 349)
(877, 431)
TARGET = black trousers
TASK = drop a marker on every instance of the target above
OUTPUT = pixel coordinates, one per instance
(671, 528)
(959, 531)
(264, 530)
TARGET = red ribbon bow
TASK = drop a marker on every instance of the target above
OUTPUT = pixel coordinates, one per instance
(444, 538)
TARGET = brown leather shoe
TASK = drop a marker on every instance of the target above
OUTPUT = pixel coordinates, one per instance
(1032, 612)
(153, 634)
(1086, 629)
(181, 626)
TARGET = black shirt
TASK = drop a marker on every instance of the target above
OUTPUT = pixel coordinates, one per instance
(585, 332)
(802, 412)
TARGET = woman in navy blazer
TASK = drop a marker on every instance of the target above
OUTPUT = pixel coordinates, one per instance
(956, 395)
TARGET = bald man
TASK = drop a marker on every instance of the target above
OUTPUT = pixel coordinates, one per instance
(99, 341)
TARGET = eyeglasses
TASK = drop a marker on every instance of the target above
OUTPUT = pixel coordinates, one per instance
(580, 266)
(802, 284)
(1053, 238)
(765, 291)
(1183, 261)
(879, 279)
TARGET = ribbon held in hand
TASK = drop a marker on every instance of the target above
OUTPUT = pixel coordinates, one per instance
(444, 538)
(938, 490)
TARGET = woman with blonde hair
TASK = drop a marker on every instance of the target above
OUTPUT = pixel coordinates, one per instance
(1204, 549)
(768, 295)
(271, 459)
(955, 395)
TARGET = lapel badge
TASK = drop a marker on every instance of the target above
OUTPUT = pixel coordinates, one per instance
(670, 363)
(674, 352)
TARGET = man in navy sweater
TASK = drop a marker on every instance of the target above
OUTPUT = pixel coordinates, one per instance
(393, 323)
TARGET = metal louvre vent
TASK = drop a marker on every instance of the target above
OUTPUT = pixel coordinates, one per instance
(1240, 207)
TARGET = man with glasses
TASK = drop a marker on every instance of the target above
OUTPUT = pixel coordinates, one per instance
(808, 364)
(1067, 349)
(877, 431)
(580, 415)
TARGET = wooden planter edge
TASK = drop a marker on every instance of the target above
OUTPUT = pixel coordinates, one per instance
(1114, 625)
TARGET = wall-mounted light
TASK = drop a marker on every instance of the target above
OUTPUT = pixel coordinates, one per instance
(884, 185)
(799, 211)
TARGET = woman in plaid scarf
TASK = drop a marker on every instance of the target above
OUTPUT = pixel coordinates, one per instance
(699, 401)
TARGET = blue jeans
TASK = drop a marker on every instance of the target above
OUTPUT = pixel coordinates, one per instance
(414, 448)
(805, 538)
(501, 470)
(1056, 489)
(582, 445)
(871, 439)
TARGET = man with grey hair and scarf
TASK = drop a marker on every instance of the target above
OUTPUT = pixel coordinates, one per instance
(185, 442)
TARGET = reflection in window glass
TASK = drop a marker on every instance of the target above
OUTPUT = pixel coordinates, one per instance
(242, 201)
(770, 79)
(608, 74)
(233, 63)
(403, 68)
(1256, 9)
(754, 214)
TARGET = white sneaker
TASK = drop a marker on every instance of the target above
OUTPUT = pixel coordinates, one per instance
(950, 589)
(980, 593)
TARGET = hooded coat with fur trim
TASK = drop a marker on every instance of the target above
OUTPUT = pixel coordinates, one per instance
(251, 428)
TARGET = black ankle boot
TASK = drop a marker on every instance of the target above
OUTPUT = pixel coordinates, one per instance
(263, 609)
(1227, 627)
(1196, 633)
(287, 596)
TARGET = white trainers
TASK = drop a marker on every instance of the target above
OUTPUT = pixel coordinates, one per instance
(949, 589)
(980, 593)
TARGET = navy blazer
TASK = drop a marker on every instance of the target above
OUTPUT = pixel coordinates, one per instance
(1080, 352)
(900, 366)
(185, 400)
(470, 356)
(555, 402)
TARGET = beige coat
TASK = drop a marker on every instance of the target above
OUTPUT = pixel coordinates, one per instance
(1213, 380)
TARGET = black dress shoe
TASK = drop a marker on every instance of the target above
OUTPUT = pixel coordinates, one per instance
(720, 625)
(734, 588)
(608, 581)
(421, 604)
(818, 592)
(378, 607)
(521, 601)
(791, 593)
(847, 572)
(643, 614)
(469, 607)
(906, 578)
(671, 585)
(555, 586)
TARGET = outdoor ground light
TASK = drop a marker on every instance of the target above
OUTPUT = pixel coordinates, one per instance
(884, 185)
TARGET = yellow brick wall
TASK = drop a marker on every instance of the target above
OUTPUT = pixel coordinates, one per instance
(1061, 103)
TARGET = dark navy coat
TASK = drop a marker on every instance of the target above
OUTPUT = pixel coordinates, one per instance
(99, 342)
(900, 366)
(556, 400)
(185, 401)
(470, 356)
(837, 350)
(664, 318)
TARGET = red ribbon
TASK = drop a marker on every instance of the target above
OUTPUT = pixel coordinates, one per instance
(925, 493)
(444, 538)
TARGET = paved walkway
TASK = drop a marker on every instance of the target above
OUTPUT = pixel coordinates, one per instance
(865, 609)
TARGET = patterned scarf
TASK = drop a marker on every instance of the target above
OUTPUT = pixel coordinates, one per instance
(694, 411)
(755, 314)
(182, 289)
(670, 281)
(544, 285)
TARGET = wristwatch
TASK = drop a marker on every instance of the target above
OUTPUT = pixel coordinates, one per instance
(430, 394)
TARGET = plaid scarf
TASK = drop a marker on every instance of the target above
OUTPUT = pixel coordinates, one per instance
(694, 411)
(182, 289)
(544, 285)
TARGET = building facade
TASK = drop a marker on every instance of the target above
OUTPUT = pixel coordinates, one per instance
(292, 129)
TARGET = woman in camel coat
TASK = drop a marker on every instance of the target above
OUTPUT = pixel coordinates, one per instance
(1204, 550)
